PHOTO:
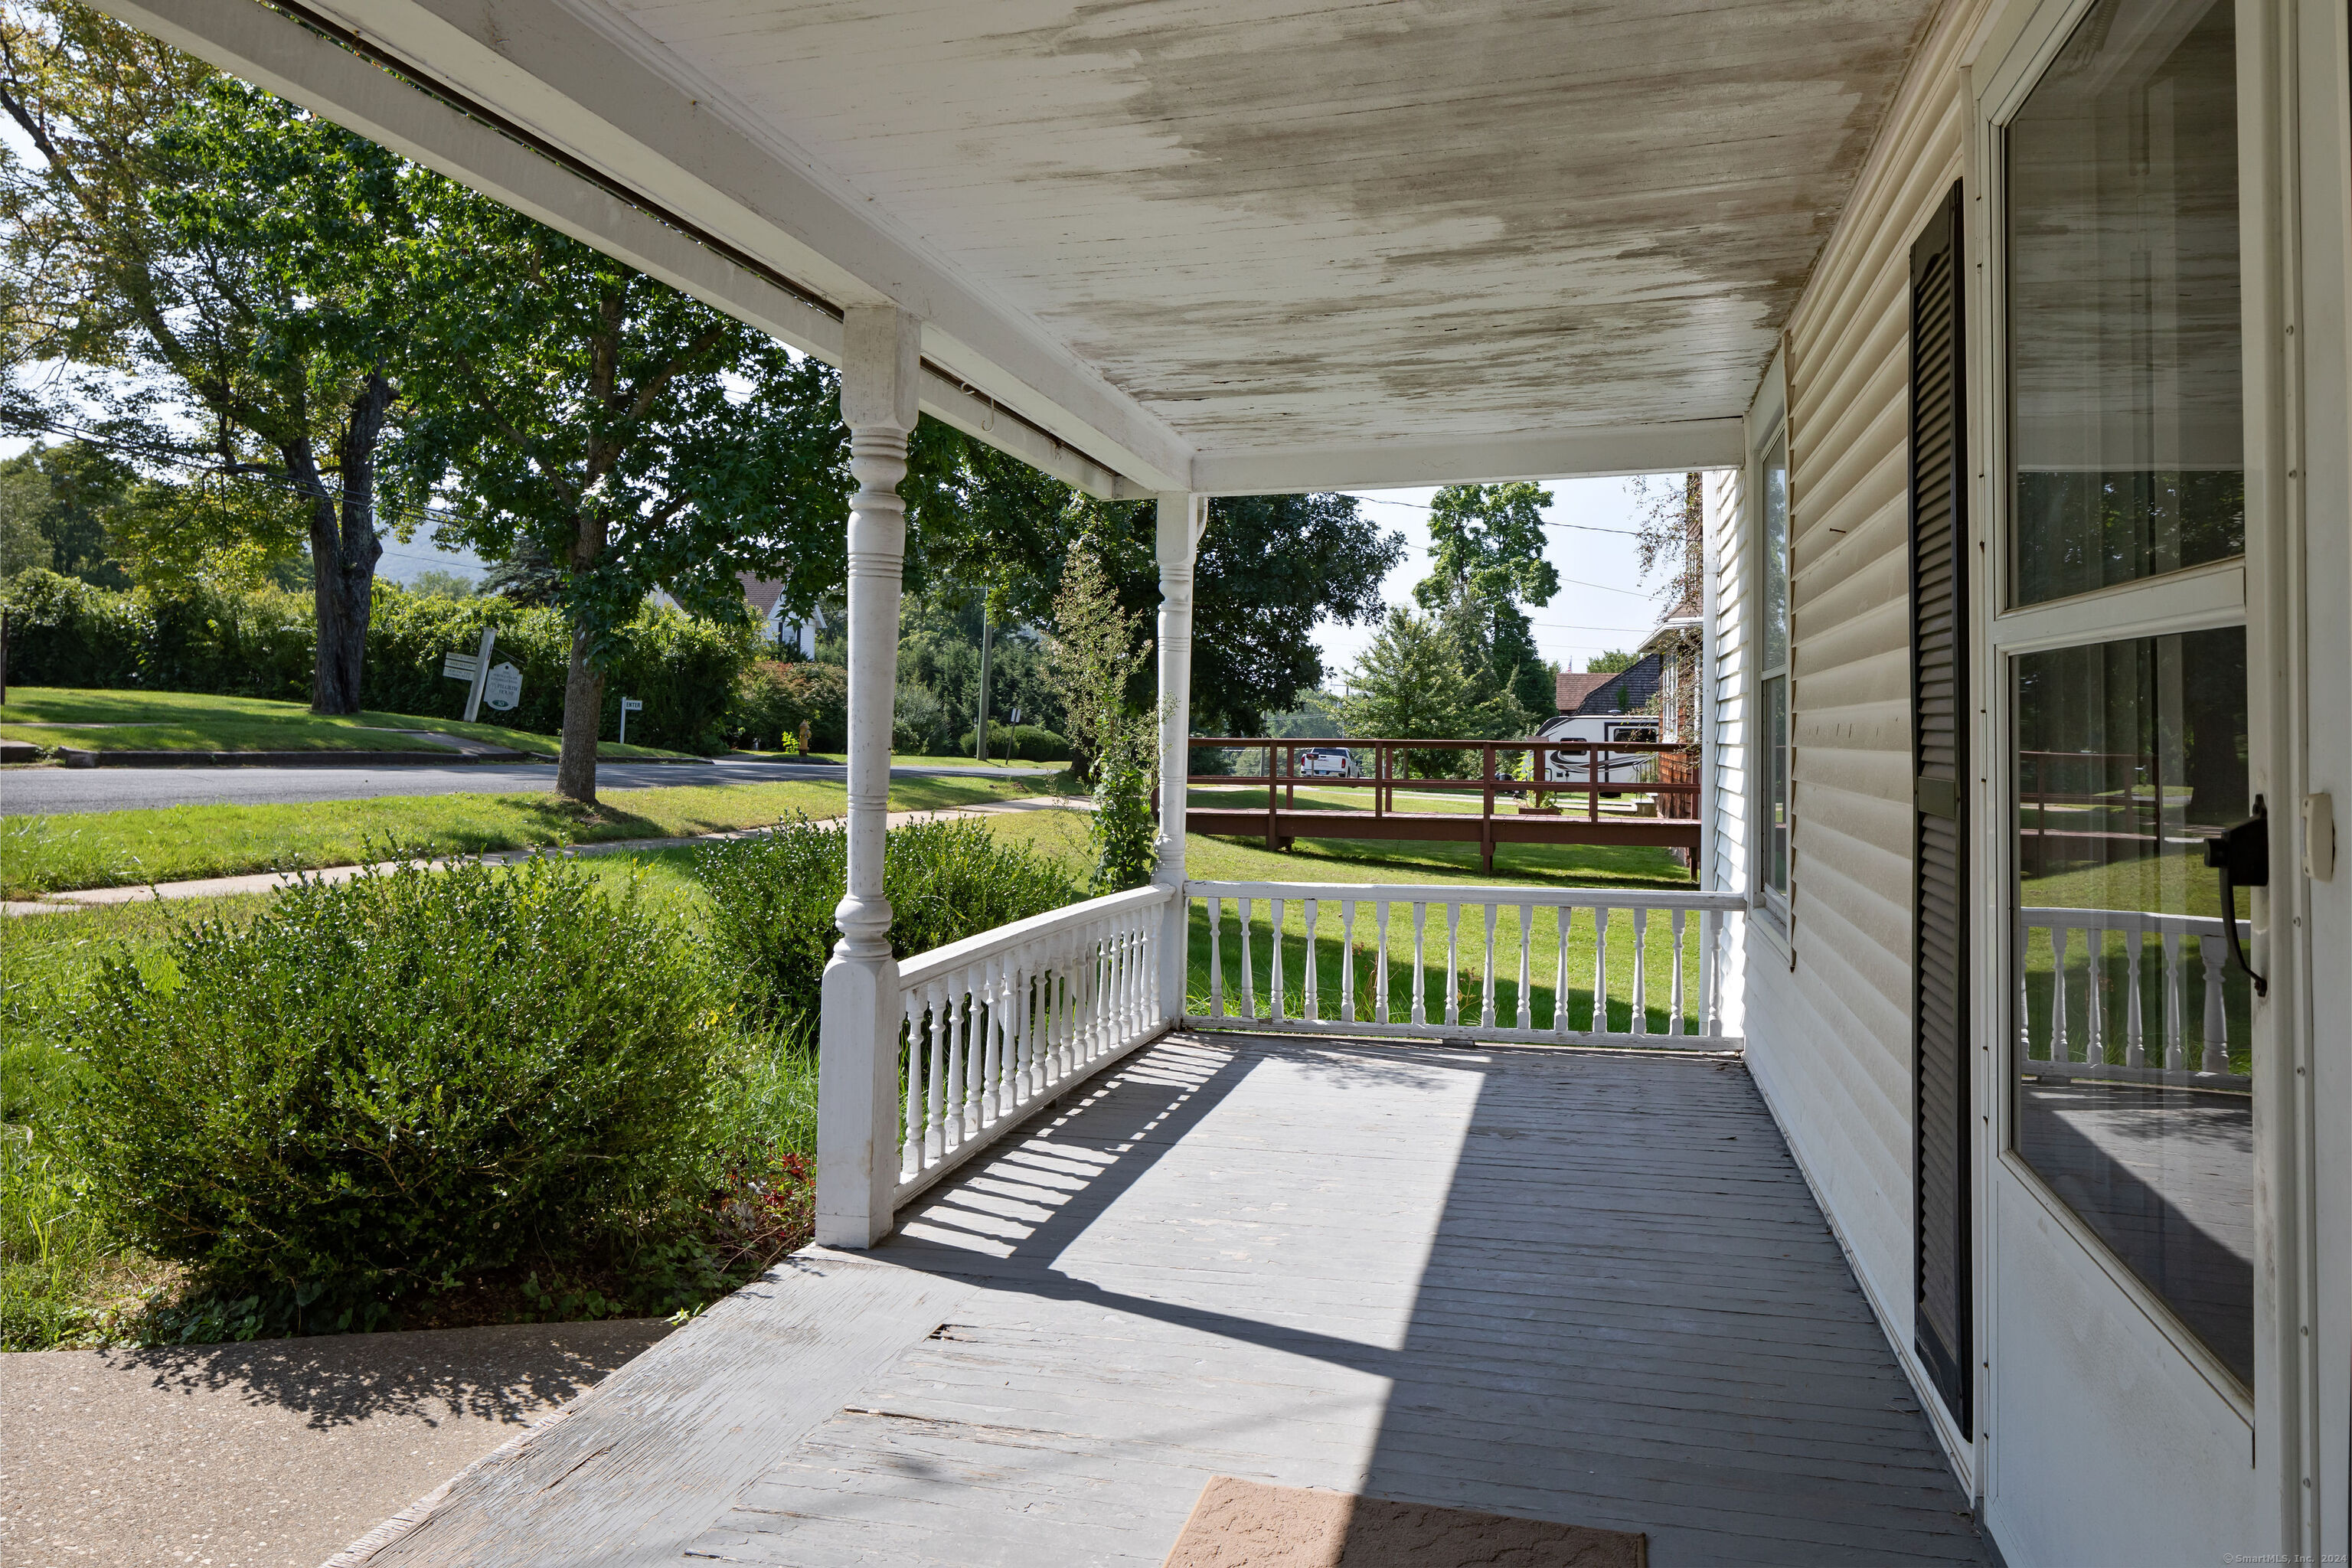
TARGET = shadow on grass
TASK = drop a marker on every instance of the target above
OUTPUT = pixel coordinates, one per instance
(1576, 866)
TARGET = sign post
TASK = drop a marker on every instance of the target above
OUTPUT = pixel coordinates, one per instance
(629, 705)
(473, 668)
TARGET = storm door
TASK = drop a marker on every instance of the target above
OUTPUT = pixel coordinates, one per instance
(2124, 1231)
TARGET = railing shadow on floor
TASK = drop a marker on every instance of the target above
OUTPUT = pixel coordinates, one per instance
(1629, 1313)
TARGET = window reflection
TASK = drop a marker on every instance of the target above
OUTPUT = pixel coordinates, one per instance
(1776, 554)
(1774, 667)
(1776, 784)
(2122, 280)
(2133, 1087)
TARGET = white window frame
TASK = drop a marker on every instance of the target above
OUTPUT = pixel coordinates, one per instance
(1773, 904)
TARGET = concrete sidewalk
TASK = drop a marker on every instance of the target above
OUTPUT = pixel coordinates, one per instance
(276, 1454)
(267, 882)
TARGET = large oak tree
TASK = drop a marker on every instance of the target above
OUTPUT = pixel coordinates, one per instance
(217, 272)
(627, 434)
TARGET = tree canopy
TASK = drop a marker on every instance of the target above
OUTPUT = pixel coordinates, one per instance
(201, 256)
(1486, 566)
(629, 434)
(325, 335)
(55, 503)
(1412, 684)
(1270, 568)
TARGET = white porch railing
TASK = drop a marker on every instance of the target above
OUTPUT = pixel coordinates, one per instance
(1652, 955)
(999, 1021)
(2159, 947)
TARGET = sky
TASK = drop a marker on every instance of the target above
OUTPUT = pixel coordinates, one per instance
(1603, 603)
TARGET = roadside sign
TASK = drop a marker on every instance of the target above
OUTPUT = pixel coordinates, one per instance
(503, 688)
(473, 668)
(629, 705)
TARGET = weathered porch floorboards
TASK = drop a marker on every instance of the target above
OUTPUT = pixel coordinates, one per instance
(1578, 1286)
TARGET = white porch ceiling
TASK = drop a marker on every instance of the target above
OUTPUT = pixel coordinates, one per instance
(1208, 244)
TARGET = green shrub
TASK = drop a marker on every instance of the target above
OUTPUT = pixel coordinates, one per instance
(1025, 743)
(684, 670)
(263, 643)
(375, 1084)
(921, 724)
(1122, 825)
(1036, 743)
(64, 632)
(772, 700)
(772, 896)
(260, 643)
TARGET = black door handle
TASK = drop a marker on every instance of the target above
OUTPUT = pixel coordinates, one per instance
(2243, 856)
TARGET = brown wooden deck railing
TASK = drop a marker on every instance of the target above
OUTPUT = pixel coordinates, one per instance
(1663, 774)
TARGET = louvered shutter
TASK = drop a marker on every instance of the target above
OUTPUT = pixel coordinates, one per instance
(1939, 731)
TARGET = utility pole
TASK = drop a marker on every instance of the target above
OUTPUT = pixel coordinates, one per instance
(987, 635)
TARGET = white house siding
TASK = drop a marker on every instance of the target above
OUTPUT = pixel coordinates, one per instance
(1731, 808)
(1829, 1038)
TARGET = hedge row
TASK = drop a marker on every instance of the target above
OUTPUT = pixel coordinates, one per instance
(1022, 743)
(64, 632)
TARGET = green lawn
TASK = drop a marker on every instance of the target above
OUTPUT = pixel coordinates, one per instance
(192, 721)
(62, 1282)
(128, 848)
(904, 760)
(1063, 836)
(1325, 797)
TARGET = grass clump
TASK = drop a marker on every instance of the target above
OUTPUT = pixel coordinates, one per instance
(385, 1085)
(772, 895)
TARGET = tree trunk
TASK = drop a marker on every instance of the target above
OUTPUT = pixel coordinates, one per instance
(584, 713)
(344, 548)
(583, 684)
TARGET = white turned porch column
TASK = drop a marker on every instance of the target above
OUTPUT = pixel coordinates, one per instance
(1183, 518)
(857, 1064)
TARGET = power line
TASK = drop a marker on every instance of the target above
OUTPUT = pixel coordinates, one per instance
(1581, 527)
(1636, 593)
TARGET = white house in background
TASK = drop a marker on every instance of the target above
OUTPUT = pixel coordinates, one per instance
(1647, 702)
(779, 629)
(2013, 337)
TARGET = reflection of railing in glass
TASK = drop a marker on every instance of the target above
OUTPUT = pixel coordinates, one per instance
(2184, 949)
(2100, 806)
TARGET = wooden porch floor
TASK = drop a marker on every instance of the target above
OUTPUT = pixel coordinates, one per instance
(1578, 1286)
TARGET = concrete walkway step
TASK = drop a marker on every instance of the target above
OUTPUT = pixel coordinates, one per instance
(276, 1452)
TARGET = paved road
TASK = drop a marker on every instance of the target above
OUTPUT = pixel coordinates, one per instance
(35, 792)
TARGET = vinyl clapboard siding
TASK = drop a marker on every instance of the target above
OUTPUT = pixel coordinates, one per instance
(1731, 845)
(1829, 1038)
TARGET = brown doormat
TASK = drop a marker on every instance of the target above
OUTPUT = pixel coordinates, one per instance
(1245, 1524)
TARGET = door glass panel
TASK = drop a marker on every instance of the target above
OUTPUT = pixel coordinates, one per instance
(2122, 276)
(1776, 554)
(1776, 784)
(2134, 1093)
